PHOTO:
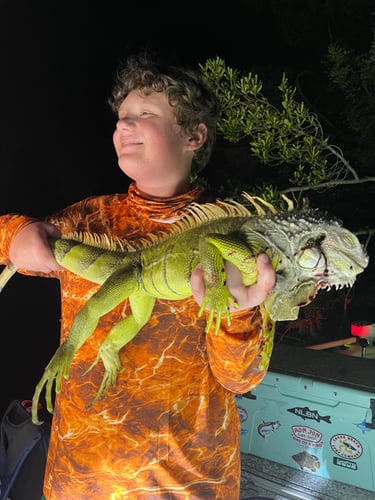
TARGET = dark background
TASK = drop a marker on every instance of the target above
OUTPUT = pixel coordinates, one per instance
(58, 60)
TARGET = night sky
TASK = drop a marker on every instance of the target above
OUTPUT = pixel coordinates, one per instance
(58, 61)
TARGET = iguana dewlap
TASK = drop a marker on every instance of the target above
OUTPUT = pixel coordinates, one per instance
(308, 251)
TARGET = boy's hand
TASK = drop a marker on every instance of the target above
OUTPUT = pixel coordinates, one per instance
(30, 250)
(246, 297)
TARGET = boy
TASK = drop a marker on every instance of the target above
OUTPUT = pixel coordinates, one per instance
(170, 427)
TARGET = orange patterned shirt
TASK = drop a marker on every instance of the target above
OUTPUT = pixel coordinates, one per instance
(170, 428)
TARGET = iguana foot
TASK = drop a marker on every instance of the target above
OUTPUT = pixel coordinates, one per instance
(217, 300)
(111, 361)
(58, 367)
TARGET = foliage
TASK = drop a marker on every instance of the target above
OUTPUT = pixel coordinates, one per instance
(279, 134)
(354, 76)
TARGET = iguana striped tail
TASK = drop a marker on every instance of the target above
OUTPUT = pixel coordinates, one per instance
(6, 274)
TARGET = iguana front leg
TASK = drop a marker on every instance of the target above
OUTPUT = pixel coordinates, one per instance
(213, 251)
(122, 333)
(119, 286)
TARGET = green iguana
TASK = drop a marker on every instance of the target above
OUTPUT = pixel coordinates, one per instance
(308, 251)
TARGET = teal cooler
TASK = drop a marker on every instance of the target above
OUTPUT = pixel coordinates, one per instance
(314, 421)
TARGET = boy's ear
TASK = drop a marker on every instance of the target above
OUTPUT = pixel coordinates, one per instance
(198, 137)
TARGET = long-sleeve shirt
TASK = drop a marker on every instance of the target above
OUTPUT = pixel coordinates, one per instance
(169, 429)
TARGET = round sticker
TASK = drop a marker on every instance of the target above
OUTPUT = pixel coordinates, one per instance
(346, 446)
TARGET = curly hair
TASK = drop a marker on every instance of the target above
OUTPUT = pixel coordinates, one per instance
(193, 100)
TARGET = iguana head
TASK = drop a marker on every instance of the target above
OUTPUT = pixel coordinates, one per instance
(309, 252)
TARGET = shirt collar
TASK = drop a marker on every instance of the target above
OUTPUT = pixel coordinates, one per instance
(159, 208)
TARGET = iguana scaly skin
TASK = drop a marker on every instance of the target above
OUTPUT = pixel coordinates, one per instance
(308, 251)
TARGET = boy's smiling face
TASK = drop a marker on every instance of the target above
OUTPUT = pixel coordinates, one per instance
(151, 147)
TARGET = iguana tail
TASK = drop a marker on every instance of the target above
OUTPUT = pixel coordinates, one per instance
(6, 274)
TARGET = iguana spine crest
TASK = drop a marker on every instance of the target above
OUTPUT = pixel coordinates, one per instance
(195, 214)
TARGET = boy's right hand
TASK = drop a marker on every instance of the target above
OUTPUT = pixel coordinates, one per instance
(30, 250)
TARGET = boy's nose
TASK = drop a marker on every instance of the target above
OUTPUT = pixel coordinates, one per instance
(125, 123)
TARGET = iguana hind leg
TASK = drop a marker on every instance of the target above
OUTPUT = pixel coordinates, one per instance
(121, 333)
(119, 286)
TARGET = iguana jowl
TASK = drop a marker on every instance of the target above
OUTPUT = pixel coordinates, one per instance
(308, 251)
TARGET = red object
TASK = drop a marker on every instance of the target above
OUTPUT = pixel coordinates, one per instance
(363, 330)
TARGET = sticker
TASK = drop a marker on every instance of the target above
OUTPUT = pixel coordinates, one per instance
(267, 428)
(347, 464)
(243, 414)
(346, 446)
(307, 436)
(306, 461)
(307, 414)
(362, 426)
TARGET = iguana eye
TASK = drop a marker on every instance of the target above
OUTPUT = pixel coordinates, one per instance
(311, 258)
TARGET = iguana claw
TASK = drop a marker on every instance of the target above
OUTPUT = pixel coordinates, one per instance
(112, 364)
(217, 300)
(57, 368)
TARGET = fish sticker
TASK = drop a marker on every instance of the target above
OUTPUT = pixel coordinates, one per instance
(267, 428)
(363, 426)
(307, 414)
(307, 461)
(242, 413)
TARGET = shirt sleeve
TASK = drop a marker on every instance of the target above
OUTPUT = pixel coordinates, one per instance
(10, 225)
(239, 354)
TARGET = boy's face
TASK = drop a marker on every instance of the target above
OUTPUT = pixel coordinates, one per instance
(150, 146)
